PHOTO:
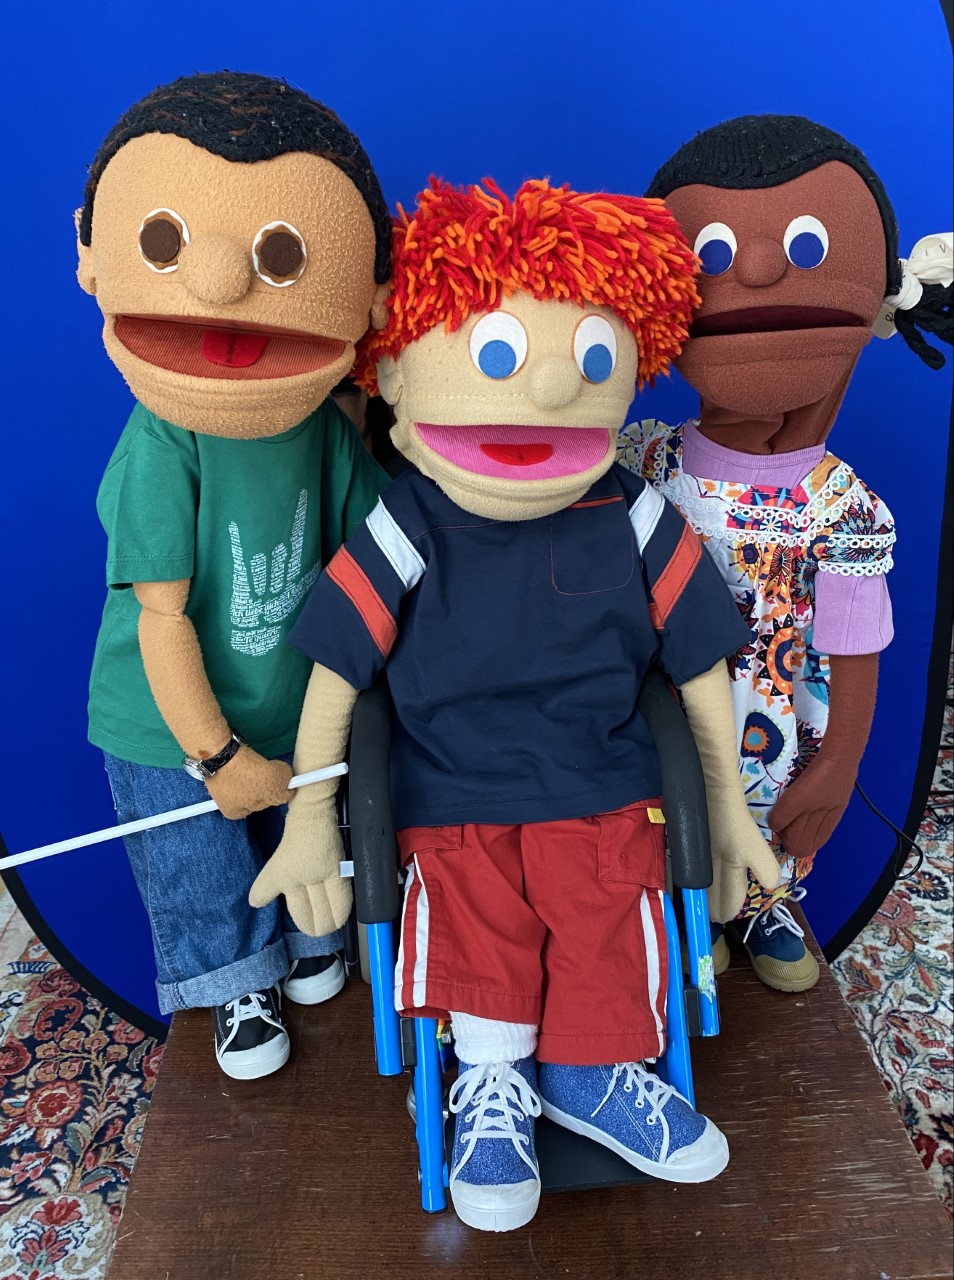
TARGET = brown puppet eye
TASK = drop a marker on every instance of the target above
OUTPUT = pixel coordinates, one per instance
(278, 254)
(161, 238)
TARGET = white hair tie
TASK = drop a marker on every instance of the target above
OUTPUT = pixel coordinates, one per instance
(931, 262)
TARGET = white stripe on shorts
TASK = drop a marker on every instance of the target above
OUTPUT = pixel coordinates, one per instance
(421, 927)
(652, 959)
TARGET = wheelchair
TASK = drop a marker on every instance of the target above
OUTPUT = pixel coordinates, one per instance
(567, 1161)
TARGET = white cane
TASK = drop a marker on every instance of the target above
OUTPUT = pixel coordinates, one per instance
(157, 820)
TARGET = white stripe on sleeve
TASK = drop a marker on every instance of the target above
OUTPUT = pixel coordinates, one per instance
(395, 546)
(644, 515)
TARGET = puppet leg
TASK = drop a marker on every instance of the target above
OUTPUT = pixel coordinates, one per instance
(604, 1011)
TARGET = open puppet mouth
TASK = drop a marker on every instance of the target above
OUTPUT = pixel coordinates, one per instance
(518, 453)
(772, 320)
(211, 349)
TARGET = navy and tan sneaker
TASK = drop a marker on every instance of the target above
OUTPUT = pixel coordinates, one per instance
(314, 979)
(250, 1037)
(776, 947)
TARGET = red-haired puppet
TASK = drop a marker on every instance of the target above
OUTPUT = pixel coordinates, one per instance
(517, 587)
(799, 248)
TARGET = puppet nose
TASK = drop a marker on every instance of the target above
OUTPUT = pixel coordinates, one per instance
(215, 269)
(759, 263)
(555, 383)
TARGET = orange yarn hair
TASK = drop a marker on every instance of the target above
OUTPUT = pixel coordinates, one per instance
(464, 250)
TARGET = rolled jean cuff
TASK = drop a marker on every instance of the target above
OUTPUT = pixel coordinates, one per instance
(301, 946)
(254, 973)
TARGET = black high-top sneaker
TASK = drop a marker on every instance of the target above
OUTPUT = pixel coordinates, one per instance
(250, 1037)
(314, 979)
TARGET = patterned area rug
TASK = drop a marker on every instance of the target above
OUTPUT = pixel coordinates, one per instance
(75, 1082)
(897, 979)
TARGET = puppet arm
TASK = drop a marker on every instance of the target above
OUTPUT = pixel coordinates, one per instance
(738, 847)
(304, 867)
(811, 806)
(176, 674)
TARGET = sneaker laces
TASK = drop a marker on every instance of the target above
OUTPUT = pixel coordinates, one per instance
(778, 916)
(649, 1090)
(494, 1085)
(243, 1009)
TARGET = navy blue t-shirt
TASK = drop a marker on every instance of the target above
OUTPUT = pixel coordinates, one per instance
(515, 651)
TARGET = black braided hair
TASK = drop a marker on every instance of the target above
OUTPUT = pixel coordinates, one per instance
(933, 314)
(245, 118)
(753, 152)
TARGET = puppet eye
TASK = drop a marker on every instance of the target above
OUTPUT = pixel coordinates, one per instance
(161, 238)
(715, 248)
(806, 242)
(278, 254)
(594, 348)
(498, 344)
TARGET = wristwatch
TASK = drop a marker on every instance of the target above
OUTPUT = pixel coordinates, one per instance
(202, 770)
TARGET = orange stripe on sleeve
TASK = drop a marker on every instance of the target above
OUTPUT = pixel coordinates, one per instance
(346, 573)
(671, 583)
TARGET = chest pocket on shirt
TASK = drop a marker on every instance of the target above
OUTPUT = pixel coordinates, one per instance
(592, 547)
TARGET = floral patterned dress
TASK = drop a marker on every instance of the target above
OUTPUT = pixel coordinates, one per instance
(770, 543)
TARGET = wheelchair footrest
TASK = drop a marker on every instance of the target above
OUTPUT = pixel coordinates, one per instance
(569, 1162)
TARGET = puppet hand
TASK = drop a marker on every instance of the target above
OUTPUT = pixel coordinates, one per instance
(248, 783)
(809, 809)
(305, 868)
(738, 851)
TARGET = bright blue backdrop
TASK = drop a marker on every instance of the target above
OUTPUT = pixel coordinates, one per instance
(593, 95)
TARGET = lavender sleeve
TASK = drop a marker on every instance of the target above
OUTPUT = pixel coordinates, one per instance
(852, 614)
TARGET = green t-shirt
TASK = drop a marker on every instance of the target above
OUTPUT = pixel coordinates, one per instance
(252, 523)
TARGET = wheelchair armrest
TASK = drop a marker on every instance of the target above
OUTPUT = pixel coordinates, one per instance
(683, 784)
(373, 848)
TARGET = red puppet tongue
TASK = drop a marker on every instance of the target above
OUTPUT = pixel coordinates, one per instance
(518, 455)
(235, 348)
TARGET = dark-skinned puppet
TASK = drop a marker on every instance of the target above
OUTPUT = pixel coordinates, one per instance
(237, 242)
(799, 252)
(516, 587)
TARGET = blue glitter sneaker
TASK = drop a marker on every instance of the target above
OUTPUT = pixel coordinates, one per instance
(631, 1111)
(494, 1177)
(775, 945)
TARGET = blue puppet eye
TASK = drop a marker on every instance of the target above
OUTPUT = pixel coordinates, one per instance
(594, 348)
(498, 344)
(715, 248)
(806, 242)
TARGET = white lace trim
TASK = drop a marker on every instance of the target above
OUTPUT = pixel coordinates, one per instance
(869, 569)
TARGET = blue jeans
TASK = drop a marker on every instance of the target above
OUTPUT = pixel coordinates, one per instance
(194, 877)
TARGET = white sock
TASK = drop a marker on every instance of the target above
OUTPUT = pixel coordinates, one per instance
(478, 1041)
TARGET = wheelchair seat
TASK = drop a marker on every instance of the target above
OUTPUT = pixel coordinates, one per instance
(567, 1161)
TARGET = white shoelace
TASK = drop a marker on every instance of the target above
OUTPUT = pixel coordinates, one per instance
(650, 1090)
(240, 1011)
(494, 1085)
(781, 917)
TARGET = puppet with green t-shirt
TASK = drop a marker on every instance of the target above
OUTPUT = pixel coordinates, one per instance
(238, 244)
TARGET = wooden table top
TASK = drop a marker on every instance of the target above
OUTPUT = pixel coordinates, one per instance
(311, 1173)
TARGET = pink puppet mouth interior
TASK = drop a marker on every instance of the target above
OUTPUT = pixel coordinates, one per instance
(518, 453)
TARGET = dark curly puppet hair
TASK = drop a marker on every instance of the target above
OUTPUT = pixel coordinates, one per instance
(753, 152)
(245, 118)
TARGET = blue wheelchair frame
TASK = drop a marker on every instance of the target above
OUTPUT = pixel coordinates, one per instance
(691, 1008)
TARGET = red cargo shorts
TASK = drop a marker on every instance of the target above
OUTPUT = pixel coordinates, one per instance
(556, 924)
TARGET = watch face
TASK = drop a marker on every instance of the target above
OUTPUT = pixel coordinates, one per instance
(194, 770)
